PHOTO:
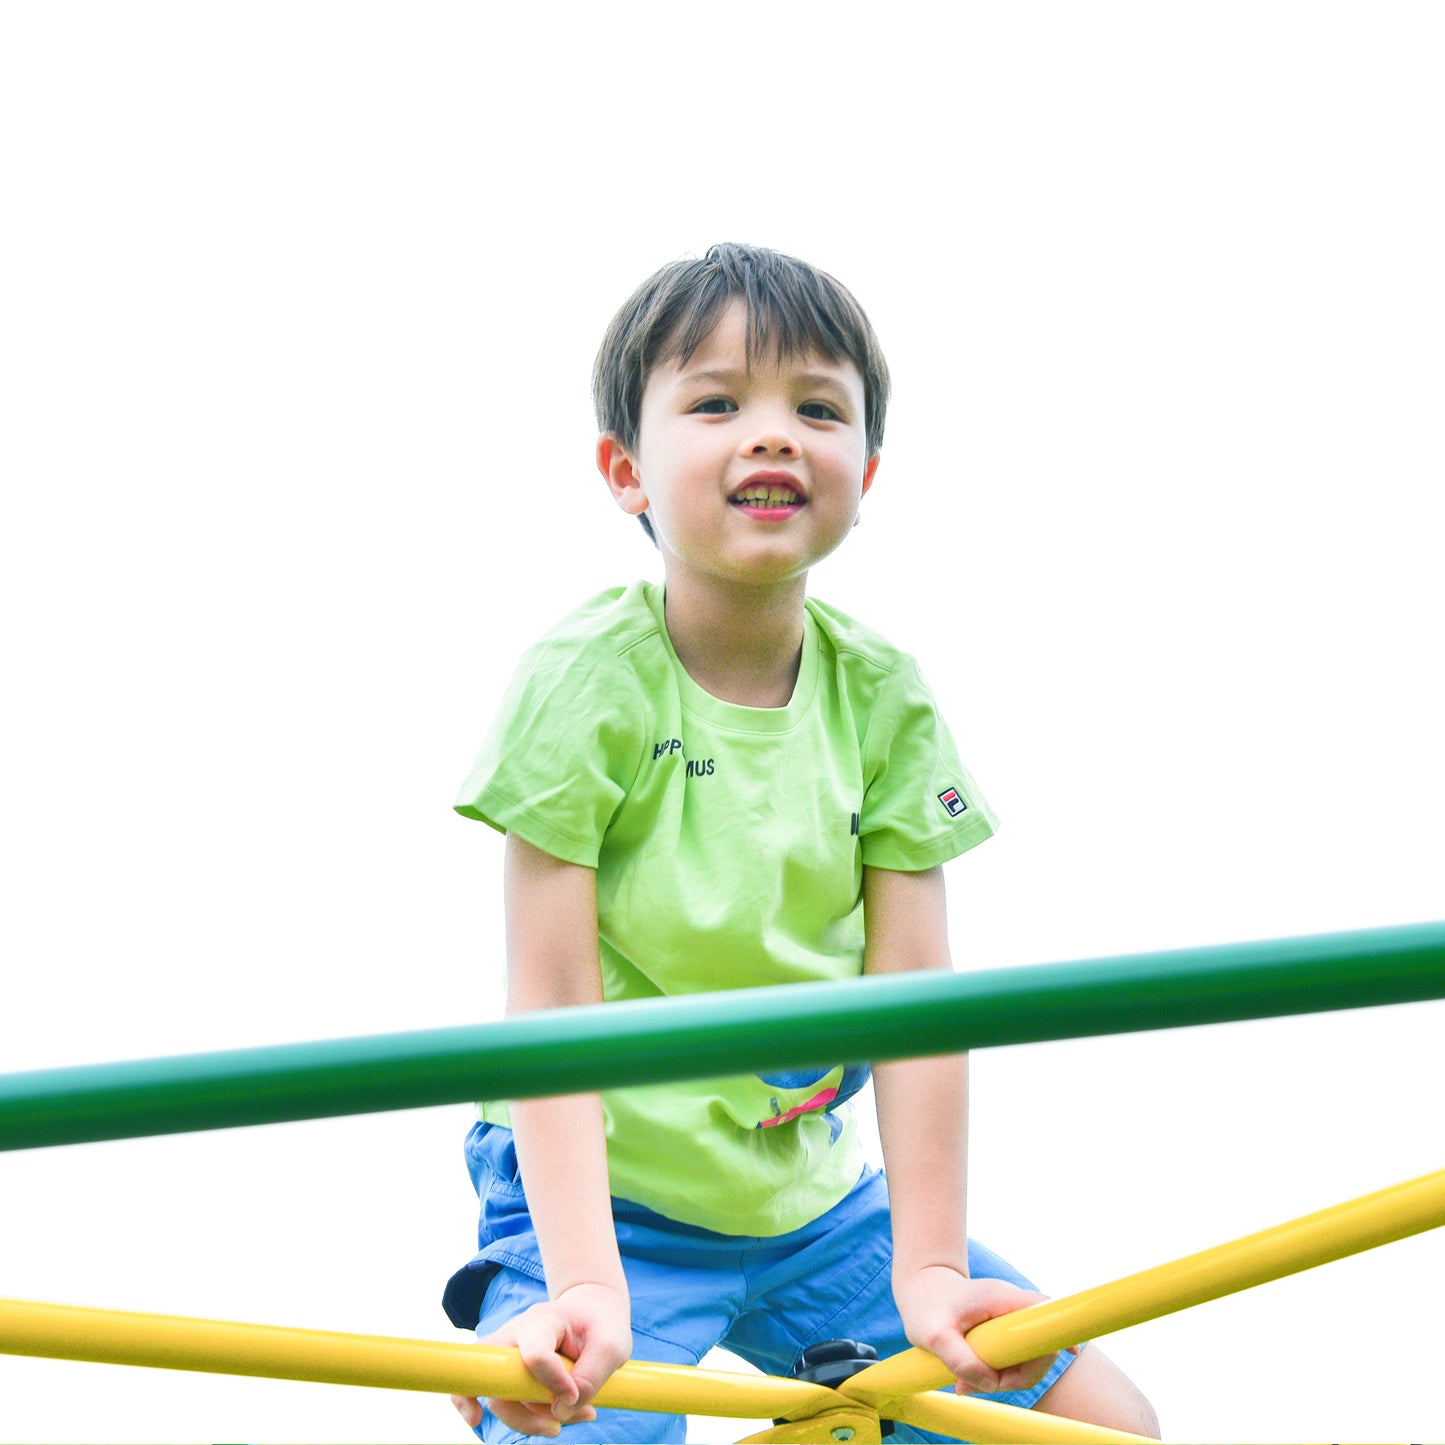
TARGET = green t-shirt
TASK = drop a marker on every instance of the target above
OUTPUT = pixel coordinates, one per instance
(729, 844)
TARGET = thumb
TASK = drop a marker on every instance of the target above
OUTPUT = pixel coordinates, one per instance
(594, 1364)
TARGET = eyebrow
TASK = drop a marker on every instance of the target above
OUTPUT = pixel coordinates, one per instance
(807, 378)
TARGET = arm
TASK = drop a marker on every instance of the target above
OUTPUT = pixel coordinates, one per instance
(923, 1122)
(552, 962)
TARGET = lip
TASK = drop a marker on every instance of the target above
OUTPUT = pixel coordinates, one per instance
(771, 478)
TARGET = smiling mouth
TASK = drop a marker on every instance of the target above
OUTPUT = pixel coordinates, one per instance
(767, 496)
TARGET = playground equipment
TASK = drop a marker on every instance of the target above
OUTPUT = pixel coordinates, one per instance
(872, 1019)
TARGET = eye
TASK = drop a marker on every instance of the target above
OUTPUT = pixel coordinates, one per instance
(819, 411)
(715, 406)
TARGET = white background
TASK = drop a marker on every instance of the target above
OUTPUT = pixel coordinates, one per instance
(299, 305)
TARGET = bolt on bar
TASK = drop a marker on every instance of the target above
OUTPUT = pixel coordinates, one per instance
(761, 1029)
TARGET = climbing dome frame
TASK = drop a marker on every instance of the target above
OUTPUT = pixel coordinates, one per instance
(869, 1019)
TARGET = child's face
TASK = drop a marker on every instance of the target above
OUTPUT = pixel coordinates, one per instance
(752, 476)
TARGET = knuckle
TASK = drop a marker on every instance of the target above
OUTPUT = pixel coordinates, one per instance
(939, 1337)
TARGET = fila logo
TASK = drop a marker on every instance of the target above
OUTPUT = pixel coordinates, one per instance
(953, 804)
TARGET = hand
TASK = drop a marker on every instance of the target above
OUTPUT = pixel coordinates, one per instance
(940, 1306)
(588, 1323)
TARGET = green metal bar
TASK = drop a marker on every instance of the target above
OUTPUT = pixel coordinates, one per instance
(870, 1019)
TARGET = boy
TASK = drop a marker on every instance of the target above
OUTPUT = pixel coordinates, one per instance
(720, 783)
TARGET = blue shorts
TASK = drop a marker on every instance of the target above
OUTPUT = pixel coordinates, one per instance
(765, 1300)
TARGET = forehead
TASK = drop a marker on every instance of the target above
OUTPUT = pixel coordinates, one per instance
(736, 347)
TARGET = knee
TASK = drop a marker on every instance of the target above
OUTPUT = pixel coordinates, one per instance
(1094, 1389)
(1135, 1413)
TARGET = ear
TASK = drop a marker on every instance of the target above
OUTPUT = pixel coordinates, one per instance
(869, 470)
(867, 482)
(624, 481)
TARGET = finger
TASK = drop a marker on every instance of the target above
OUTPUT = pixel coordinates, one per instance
(524, 1418)
(595, 1364)
(970, 1375)
(973, 1376)
(998, 1297)
(469, 1410)
(537, 1342)
(980, 1381)
(577, 1415)
(1026, 1375)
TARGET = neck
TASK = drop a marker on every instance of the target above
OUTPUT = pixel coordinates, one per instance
(742, 644)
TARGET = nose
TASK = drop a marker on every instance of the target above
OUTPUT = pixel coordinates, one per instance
(774, 435)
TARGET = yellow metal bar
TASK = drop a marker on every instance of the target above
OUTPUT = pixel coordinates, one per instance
(903, 1387)
(988, 1423)
(116, 1337)
(1343, 1229)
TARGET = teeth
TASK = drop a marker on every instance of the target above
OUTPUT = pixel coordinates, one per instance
(767, 496)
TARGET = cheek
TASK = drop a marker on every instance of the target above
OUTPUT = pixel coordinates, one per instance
(849, 464)
(669, 456)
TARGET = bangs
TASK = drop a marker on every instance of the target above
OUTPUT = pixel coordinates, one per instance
(785, 319)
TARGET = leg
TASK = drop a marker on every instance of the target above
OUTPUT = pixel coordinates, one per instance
(1096, 1390)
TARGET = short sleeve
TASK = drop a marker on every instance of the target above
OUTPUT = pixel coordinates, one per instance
(920, 806)
(561, 754)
